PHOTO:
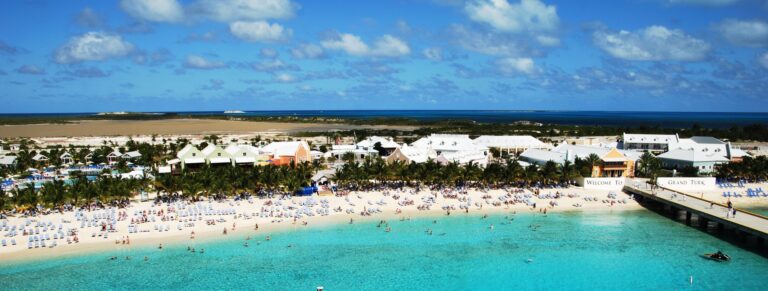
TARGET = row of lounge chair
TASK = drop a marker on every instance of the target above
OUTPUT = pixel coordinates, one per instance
(751, 193)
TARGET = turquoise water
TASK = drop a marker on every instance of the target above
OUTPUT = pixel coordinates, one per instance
(573, 251)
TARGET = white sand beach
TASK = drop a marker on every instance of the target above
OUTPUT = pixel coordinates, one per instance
(174, 223)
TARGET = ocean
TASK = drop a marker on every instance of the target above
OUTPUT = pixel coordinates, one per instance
(604, 118)
(635, 250)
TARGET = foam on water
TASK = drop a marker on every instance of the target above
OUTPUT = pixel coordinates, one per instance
(634, 250)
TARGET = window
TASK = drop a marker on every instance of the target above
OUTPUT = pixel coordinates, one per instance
(193, 154)
(243, 154)
(219, 154)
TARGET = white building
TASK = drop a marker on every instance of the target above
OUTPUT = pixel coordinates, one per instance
(215, 155)
(656, 143)
(387, 144)
(409, 154)
(245, 154)
(131, 155)
(457, 148)
(189, 155)
(705, 162)
(512, 144)
(360, 153)
(7, 161)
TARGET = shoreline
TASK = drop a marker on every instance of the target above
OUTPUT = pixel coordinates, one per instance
(279, 220)
(179, 239)
(268, 225)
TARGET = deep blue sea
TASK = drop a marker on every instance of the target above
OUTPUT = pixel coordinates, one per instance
(637, 250)
(606, 118)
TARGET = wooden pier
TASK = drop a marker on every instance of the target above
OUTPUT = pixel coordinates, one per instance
(744, 225)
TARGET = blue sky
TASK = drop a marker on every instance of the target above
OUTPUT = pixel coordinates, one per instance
(180, 55)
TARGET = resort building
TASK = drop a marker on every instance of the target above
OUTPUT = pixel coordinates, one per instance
(456, 148)
(40, 158)
(215, 155)
(511, 144)
(114, 157)
(613, 162)
(409, 154)
(339, 151)
(387, 144)
(188, 156)
(655, 143)
(132, 155)
(7, 161)
(705, 162)
(66, 158)
(288, 152)
(246, 155)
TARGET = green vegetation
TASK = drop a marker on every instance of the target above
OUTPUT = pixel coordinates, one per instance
(750, 169)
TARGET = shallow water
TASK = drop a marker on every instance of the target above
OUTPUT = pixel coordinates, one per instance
(574, 251)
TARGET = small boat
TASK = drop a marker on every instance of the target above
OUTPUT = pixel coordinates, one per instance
(718, 256)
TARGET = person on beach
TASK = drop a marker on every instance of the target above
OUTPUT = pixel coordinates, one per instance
(160, 247)
(225, 231)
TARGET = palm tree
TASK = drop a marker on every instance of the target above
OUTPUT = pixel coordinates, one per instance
(593, 161)
(648, 164)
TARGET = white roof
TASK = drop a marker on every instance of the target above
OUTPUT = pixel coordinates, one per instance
(510, 141)
(692, 156)
(115, 153)
(343, 147)
(386, 142)
(582, 151)
(543, 156)
(164, 169)
(40, 157)
(188, 148)
(7, 160)
(132, 154)
(284, 148)
(417, 154)
(209, 149)
(234, 149)
(174, 161)
(65, 155)
(650, 138)
(449, 142)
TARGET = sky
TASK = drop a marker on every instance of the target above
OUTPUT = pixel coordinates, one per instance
(210, 55)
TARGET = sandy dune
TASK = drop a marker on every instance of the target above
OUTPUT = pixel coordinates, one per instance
(170, 127)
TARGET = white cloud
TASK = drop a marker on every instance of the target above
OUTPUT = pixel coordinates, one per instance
(243, 10)
(514, 66)
(703, 2)
(654, 43)
(285, 78)
(198, 62)
(30, 70)
(154, 10)
(433, 53)
(763, 60)
(268, 52)
(259, 31)
(273, 66)
(385, 46)
(547, 40)
(744, 32)
(93, 46)
(308, 51)
(495, 44)
(527, 15)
